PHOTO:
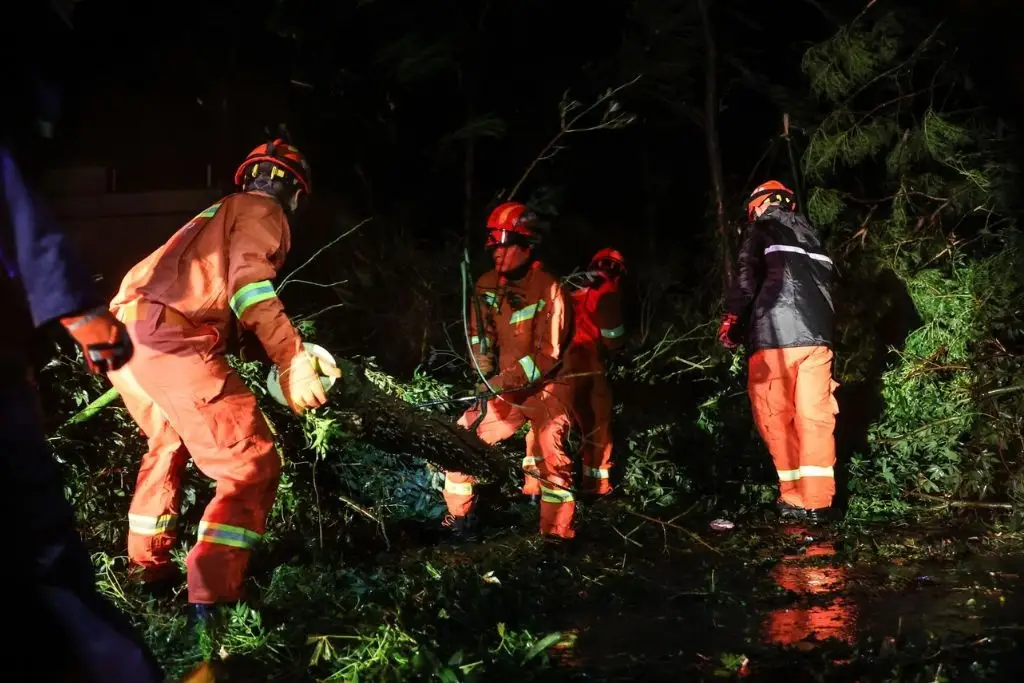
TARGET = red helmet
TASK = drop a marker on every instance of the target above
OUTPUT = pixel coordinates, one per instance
(287, 162)
(609, 261)
(512, 223)
(772, 192)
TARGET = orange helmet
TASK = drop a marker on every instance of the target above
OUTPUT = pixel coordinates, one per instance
(609, 261)
(512, 223)
(284, 160)
(771, 192)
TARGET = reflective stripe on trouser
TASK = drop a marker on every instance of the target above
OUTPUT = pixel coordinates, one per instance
(531, 487)
(190, 406)
(593, 403)
(792, 396)
(592, 411)
(548, 414)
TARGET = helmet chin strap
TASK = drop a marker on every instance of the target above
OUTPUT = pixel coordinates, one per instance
(519, 272)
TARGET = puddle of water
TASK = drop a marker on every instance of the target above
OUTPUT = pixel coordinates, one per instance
(663, 615)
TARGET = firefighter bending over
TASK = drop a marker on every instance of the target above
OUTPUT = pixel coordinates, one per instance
(528, 317)
(597, 317)
(782, 296)
(186, 305)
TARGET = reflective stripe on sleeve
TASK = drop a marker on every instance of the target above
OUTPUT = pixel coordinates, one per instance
(530, 368)
(250, 294)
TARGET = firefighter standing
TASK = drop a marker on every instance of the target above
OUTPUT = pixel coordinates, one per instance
(782, 296)
(528, 317)
(46, 566)
(186, 305)
(598, 331)
(66, 629)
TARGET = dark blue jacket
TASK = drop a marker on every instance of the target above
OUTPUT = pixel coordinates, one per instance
(782, 291)
(42, 279)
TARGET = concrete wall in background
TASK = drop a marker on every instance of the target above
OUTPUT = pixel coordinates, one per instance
(114, 230)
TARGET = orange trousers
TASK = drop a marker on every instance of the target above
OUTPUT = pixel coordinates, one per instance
(792, 396)
(817, 619)
(548, 412)
(191, 404)
(592, 413)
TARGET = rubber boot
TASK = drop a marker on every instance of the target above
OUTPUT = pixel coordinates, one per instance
(819, 516)
(790, 513)
(460, 529)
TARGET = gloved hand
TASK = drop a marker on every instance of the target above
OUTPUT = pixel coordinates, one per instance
(495, 385)
(486, 363)
(301, 384)
(725, 331)
(103, 339)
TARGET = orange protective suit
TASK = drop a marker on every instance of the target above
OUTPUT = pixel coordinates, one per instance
(529, 320)
(792, 395)
(183, 305)
(598, 328)
(821, 613)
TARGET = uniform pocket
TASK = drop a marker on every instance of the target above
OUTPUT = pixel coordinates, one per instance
(832, 386)
(228, 408)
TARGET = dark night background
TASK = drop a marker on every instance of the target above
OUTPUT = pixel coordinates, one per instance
(372, 91)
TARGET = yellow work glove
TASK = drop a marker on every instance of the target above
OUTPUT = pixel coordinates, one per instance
(301, 384)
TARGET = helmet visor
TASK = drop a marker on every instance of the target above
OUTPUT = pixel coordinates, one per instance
(506, 238)
(610, 267)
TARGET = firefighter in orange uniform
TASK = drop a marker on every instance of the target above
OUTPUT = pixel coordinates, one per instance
(186, 305)
(528, 318)
(782, 295)
(597, 317)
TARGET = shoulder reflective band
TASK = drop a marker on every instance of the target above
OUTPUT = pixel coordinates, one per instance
(250, 294)
(208, 213)
(613, 333)
(526, 313)
(798, 250)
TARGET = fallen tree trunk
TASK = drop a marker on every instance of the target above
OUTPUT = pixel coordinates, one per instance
(391, 424)
(365, 412)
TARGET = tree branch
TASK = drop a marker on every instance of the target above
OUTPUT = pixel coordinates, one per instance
(613, 118)
(321, 250)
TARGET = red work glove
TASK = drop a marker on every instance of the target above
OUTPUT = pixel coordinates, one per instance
(103, 339)
(725, 331)
(301, 384)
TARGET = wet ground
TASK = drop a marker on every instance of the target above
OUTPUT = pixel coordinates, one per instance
(639, 599)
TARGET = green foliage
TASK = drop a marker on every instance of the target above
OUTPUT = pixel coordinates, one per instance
(931, 218)
(331, 611)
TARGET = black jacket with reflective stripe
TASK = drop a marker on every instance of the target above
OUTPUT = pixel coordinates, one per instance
(781, 292)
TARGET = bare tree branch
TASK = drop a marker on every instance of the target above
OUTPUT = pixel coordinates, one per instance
(612, 118)
(321, 250)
